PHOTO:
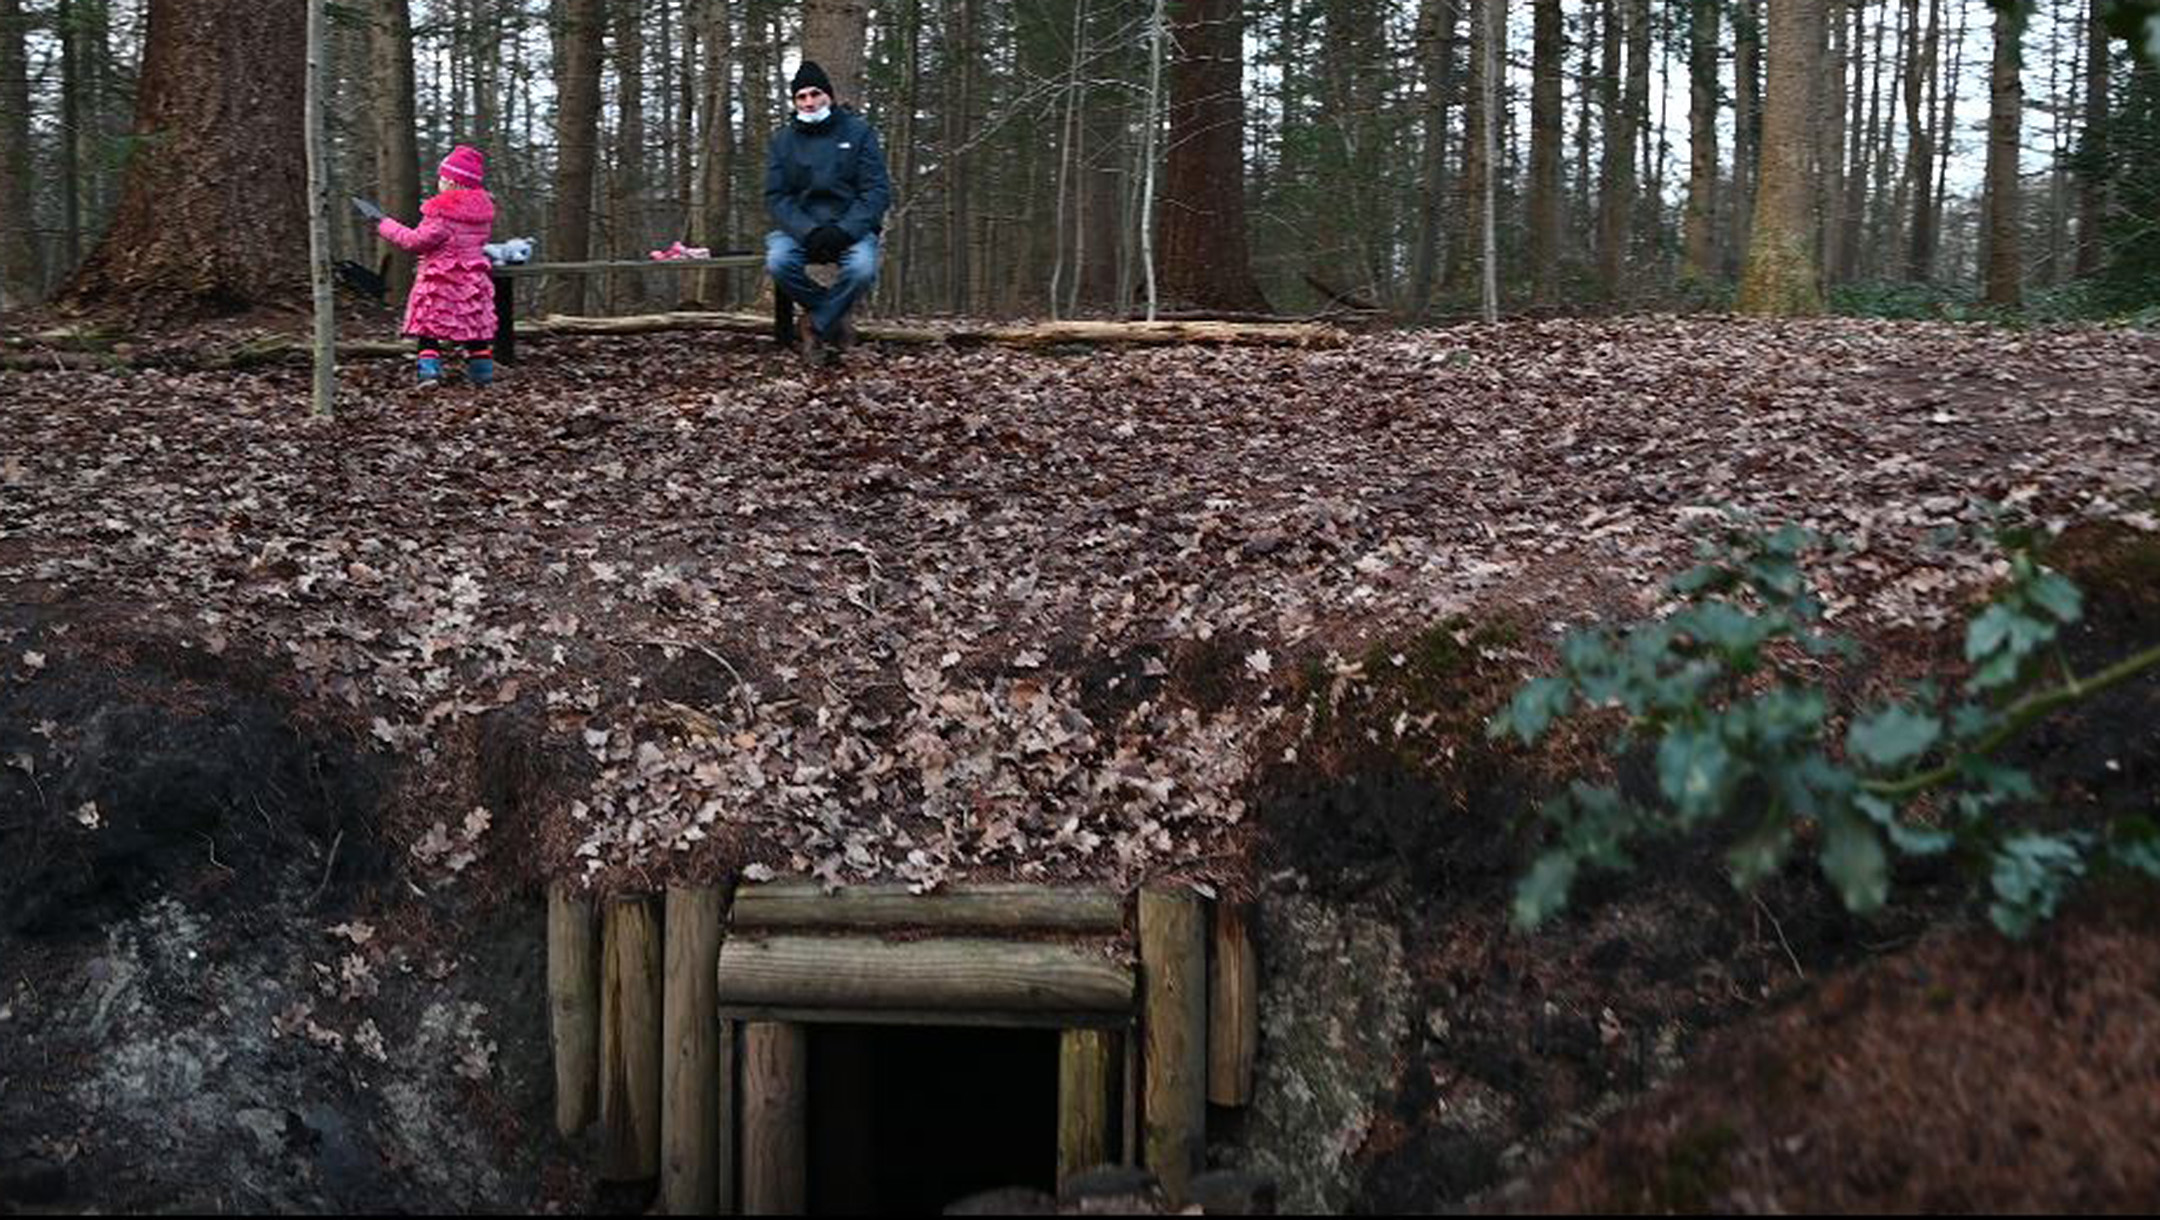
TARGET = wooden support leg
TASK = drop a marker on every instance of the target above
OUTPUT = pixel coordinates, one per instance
(690, 1046)
(775, 1109)
(573, 1006)
(1233, 1007)
(1088, 1064)
(1173, 972)
(630, 1041)
(505, 319)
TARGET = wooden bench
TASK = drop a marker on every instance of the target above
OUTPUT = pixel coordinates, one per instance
(506, 296)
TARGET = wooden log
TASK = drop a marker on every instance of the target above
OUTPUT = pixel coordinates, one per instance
(630, 1040)
(1173, 973)
(1269, 334)
(1088, 1064)
(631, 264)
(775, 1113)
(573, 1006)
(961, 908)
(1233, 1006)
(727, 1115)
(942, 975)
(690, 1052)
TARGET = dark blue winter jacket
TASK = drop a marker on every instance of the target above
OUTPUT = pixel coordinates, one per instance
(827, 173)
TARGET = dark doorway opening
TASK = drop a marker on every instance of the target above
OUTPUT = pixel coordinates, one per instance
(908, 1119)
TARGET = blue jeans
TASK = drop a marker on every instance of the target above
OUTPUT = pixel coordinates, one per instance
(784, 260)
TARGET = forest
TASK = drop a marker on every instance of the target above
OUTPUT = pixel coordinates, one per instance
(1435, 606)
(1291, 158)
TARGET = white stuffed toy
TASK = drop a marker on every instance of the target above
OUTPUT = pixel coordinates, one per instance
(509, 253)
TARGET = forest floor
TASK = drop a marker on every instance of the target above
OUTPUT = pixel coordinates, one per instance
(299, 711)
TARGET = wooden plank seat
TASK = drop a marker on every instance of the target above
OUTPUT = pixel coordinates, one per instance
(506, 297)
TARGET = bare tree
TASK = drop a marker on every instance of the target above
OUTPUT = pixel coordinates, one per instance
(1205, 253)
(1782, 277)
(1699, 260)
(211, 215)
(626, 203)
(2091, 194)
(1546, 54)
(577, 125)
(835, 33)
(397, 152)
(21, 275)
(2006, 101)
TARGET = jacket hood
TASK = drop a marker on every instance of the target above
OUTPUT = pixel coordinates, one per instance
(470, 204)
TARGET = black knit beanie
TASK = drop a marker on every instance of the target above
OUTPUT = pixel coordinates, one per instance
(810, 76)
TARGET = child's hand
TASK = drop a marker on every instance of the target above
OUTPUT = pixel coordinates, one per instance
(368, 210)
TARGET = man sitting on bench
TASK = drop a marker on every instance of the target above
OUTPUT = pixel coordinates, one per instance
(827, 190)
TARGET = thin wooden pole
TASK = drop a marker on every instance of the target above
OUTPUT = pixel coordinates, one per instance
(318, 175)
(775, 1112)
(1088, 1061)
(1173, 972)
(630, 1041)
(690, 1052)
(573, 1006)
(1233, 1006)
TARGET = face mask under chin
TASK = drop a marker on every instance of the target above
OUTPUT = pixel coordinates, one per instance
(814, 117)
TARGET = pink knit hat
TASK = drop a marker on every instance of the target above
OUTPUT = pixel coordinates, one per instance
(464, 166)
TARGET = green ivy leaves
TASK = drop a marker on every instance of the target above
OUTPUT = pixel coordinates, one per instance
(1737, 740)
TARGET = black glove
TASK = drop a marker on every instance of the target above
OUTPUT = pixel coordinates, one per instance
(368, 210)
(827, 243)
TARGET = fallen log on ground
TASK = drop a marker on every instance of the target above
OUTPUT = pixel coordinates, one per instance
(55, 350)
(1040, 334)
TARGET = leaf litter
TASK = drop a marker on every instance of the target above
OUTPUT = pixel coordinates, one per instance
(939, 597)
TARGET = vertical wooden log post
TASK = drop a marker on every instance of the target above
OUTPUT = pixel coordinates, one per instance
(1088, 1061)
(1173, 972)
(630, 1040)
(775, 1113)
(728, 1165)
(690, 1053)
(1233, 1006)
(573, 1006)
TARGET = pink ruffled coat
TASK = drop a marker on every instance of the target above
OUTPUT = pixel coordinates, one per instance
(452, 296)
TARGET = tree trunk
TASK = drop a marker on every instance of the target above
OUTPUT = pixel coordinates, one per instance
(1920, 68)
(1860, 124)
(1467, 248)
(1781, 278)
(1747, 121)
(2005, 104)
(1700, 243)
(1435, 51)
(212, 215)
(397, 153)
(626, 220)
(835, 33)
(1636, 103)
(2091, 190)
(958, 130)
(1830, 151)
(1945, 133)
(577, 125)
(1205, 256)
(21, 275)
(1547, 49)
(1616, 186)
(712, 218)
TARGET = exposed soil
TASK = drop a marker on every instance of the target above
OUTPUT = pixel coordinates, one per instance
(298, 714)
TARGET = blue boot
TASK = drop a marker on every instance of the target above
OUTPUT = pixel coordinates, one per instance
(429, 368)
(480, 369)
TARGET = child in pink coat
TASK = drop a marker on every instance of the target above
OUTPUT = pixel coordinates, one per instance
(453, 295)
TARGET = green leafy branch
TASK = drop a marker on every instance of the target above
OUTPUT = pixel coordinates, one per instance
(1741, 738)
